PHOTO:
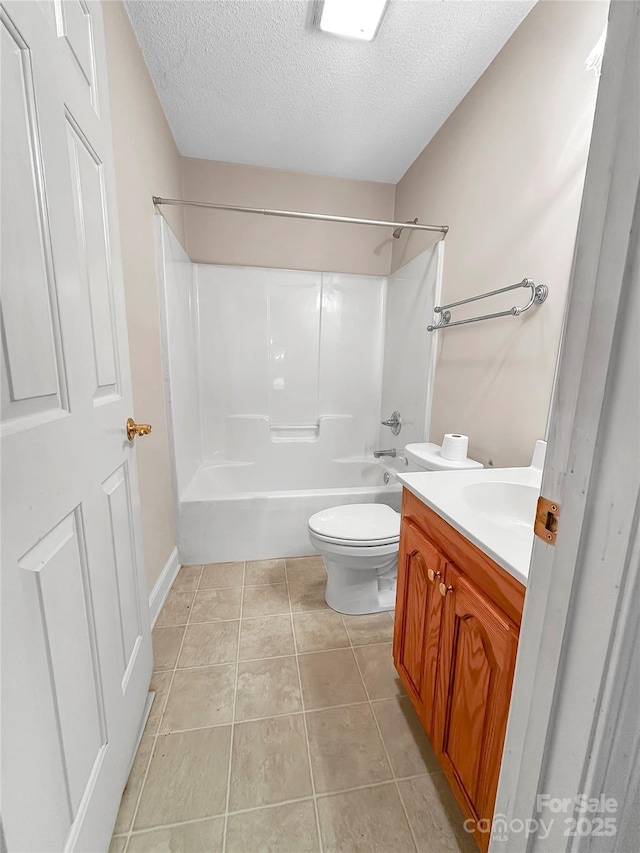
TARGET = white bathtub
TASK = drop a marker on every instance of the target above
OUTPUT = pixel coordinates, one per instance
(247, 511)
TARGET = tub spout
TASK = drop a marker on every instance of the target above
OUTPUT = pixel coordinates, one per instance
(378, 453)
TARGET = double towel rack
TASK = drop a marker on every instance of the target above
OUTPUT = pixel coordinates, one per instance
(539, 293)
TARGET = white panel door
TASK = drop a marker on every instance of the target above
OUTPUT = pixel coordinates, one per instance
(76, 650)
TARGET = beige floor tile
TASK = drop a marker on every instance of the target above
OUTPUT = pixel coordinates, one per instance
(118, 844)
(209, 643)
(134, 786)
(309, 562)
(200, 697)
(301, 569)
(370, 820)
(266, 637)
(373, 628)
(346, 750)
(435, 818)
(216, 575)
(267, 687)
(213, 605)
(280, 829)
(330, 678)
(266, 600)
(187, 778)
(187, 579)
(269, 763)
(205, 836)
(264, 571)
(407, 745)
(176, 609)
(308, 595)
(320, 631)
(379, 673)
(160, 682)
(166, 645)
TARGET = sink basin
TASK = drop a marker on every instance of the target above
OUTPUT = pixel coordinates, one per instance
(506, 504)
(494, 508)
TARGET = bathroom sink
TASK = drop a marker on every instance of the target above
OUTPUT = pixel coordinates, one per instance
(494, 508)
(503, 503)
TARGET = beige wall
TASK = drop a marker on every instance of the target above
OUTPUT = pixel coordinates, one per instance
(146, 163)
(506, 172)
(252, 240)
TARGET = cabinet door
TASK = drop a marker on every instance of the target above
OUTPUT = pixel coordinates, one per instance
(417, 621)
(477, 656)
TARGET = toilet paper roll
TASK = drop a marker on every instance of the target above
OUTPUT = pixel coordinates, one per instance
(455, 446)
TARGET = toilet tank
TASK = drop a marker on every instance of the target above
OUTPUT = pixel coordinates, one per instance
(428, 457)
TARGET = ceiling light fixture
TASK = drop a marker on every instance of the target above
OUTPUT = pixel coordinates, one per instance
(356, 19)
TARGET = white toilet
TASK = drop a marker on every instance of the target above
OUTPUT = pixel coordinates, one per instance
(359, 543)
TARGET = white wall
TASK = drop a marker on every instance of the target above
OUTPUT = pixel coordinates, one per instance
(409, 350)
(282, 351)
(180, 330)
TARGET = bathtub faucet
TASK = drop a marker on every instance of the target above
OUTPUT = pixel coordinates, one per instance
(378, 453)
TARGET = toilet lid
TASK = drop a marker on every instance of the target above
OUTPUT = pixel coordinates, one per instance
(372, 523)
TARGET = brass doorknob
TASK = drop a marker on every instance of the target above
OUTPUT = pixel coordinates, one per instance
(444, 589)
(134, 429)
(432, 575)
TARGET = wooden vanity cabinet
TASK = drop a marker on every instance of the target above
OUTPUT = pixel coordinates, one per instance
(455, 640)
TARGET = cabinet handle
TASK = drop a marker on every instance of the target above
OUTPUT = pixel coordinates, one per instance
(433, 575)
(444, 589)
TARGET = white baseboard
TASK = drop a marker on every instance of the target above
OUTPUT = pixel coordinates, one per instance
(163, 585)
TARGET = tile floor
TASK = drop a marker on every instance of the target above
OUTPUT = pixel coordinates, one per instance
(279, 725)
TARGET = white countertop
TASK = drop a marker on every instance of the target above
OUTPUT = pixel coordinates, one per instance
(498, 527)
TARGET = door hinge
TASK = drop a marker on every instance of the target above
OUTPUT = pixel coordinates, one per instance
(546, 524)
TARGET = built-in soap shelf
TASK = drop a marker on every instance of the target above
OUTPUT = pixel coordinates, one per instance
(255, 437)
(294, 432)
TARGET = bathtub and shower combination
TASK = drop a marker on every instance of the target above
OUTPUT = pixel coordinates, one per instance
(276, 382)
(242, 511)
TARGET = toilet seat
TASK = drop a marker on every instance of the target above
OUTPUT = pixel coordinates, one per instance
(357, 525)
(353, 550)
(355, 543)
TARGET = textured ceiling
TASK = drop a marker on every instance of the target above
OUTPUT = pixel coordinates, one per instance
(250, 82)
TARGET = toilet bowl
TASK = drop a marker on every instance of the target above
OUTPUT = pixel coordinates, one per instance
(359, 544)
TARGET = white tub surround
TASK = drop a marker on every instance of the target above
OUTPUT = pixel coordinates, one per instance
(409, 350)
(274, 385)
(288, 348)
(494, 508)
(179, 309)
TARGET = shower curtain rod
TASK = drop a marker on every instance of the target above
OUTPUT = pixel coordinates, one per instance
(297, 214)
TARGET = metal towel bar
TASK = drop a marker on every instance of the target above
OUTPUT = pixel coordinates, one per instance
(539, 293)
